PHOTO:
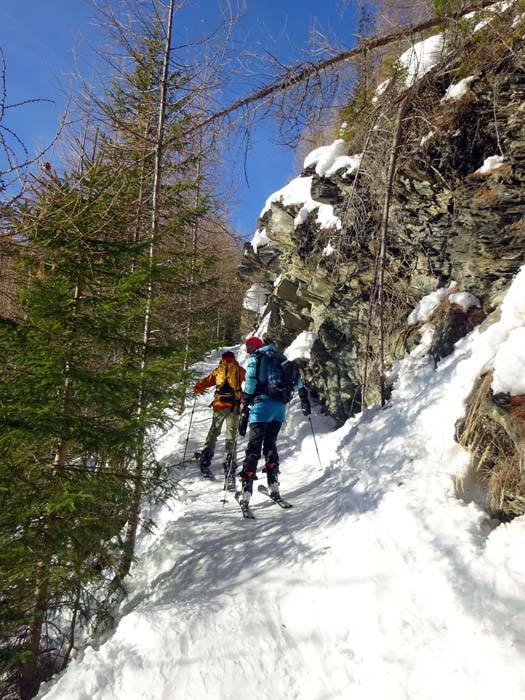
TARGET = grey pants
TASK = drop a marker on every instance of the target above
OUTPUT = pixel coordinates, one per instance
(232, 423)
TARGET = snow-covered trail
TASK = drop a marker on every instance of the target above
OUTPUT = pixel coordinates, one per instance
(379, 582)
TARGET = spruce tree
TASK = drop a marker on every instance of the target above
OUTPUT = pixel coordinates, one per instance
(97, 353)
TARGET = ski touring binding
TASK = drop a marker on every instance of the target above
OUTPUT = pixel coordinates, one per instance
(276, 498)
(245, 508)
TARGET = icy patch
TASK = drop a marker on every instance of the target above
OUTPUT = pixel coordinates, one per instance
(328, 249)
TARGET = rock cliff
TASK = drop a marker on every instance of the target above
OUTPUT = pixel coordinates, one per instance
(456, 222)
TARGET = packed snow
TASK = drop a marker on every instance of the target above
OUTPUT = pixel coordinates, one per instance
(457, 91)
(330, 159)
(464, 299)
(260, 239)
(297, 191)
(301, 347)
(255, 298)
(507, 339)
(328, 249)
(327, 161)
(380, 89)
(428, 304)
(325, 215)
(379, 583)
(509, 365)
(490, 12)
(518, 20)
(420, 58)
(490, 164)
(327, 219)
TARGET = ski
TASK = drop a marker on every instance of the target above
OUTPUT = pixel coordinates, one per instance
(282, 502)
(245, 508)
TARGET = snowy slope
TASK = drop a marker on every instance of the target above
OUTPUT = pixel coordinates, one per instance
(379, 583)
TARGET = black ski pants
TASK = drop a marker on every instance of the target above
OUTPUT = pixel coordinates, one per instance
(262, 437)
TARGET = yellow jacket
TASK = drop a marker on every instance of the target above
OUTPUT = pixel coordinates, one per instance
(226, 396)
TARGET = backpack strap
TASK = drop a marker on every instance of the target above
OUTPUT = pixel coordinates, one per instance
(260, 385)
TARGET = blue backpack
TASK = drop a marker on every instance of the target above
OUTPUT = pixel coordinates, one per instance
(277, 376)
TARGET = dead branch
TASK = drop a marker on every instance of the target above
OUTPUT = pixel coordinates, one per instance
(303, 71)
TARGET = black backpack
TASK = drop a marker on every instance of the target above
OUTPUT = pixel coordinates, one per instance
(277, 376)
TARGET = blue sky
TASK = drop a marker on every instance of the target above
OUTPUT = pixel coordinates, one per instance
(43, 40)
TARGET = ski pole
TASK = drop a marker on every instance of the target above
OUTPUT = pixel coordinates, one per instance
(230, 467)
(315, 442)
(189, 430)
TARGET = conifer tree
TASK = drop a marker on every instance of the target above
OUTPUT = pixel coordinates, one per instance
(68, 381)
(106, 324)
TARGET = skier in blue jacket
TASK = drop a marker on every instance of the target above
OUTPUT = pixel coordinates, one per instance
(266, 417)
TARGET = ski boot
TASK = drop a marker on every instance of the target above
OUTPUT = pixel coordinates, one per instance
(272, 477)
(204, 463)
(247, 478)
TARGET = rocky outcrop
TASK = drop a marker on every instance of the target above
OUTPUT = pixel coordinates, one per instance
(451, 219)
(493, 430)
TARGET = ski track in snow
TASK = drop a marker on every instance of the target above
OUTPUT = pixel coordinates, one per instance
(379, 582)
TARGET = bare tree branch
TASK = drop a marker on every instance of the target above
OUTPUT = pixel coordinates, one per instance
(303, 71)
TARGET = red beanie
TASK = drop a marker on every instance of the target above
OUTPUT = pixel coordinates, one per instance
(228, 355)
(254, 343)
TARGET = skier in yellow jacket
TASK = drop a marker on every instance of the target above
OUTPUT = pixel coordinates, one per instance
(227, 379)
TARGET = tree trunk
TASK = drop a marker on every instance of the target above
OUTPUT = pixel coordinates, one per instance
(134, 518)
(194, 238)
(382, 243)
(29, 677)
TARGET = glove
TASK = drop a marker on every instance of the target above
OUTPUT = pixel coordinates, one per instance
(243, 422)
(305, 407)
(246, 400)
(305, 402)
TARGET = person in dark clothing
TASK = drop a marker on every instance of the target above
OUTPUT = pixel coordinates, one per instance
(265, 420)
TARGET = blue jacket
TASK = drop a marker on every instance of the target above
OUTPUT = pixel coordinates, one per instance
(265, 409)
